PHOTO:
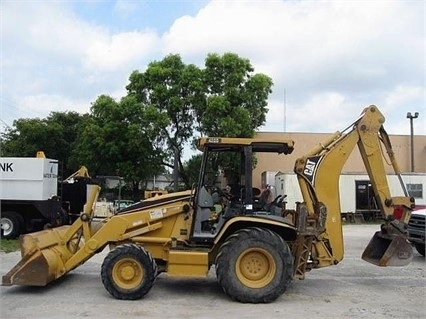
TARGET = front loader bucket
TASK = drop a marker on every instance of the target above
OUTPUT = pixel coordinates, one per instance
(51, 253)
(386, 250)
(43, 258)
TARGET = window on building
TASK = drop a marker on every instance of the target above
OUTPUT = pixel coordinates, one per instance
(415, 190)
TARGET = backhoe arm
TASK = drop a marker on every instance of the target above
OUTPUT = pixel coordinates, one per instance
(318, 174)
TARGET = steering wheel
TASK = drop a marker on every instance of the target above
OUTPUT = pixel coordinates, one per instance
(276, 200)
(221, 193)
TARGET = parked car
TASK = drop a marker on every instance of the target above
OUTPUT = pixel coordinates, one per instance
(416, 230)
(122, 203)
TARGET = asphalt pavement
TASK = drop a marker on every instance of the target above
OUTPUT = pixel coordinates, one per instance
(351, 289)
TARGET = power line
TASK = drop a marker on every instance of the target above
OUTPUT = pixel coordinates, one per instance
(285, 110)
(5, 124)
(11, 104)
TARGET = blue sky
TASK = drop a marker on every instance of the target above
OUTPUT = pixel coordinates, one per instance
(327, 59)
(125, 15)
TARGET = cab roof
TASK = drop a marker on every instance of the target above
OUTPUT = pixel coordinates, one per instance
(279, 146)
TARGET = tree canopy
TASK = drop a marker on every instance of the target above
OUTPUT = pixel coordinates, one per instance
(236, 99)
(55, 135)
(122, 139)
(223, 99)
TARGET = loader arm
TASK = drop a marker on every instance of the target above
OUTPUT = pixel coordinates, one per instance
(318, 174)
(51, 253)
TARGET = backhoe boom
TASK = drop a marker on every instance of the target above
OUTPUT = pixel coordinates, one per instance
(318, 174)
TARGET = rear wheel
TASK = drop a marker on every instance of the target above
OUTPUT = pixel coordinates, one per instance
(128, 272)
(254, 265)
(420, 248)
(12, 225)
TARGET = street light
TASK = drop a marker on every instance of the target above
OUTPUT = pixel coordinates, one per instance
(411, 117)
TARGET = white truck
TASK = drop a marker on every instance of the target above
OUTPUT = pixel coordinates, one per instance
(417, 230)
(28, 195)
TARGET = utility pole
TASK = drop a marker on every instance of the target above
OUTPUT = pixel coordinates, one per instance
(412, 117)
(285, 110)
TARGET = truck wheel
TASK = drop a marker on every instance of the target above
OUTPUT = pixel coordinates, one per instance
(128, 272)
(420, 248)
(64, 216)
(12, 225)
(254, 265)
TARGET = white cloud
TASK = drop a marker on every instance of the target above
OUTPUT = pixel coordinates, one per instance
(42, 104)
(279, 31)
(359, 51)
(109, 53)
(404, 95)
(332, 58)
(322, 112)
(54, 60)
(45, 28)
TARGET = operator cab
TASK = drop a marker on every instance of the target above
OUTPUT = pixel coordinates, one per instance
(225, 189)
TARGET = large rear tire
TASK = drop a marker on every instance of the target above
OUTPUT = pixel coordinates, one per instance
(254, 265)
(128, 272)
(12, 225)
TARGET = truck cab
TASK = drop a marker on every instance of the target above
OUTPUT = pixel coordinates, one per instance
(417, 229)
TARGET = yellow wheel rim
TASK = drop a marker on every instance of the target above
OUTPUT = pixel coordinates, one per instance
(127, 273)
(255, 268)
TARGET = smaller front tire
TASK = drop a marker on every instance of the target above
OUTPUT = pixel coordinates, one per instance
(128, 272)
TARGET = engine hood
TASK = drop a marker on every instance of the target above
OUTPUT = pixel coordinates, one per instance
(421, 212)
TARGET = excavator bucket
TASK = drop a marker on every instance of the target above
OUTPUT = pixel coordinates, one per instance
(42, 259)
(388, 250)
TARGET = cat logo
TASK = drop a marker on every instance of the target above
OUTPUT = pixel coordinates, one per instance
(311, 167)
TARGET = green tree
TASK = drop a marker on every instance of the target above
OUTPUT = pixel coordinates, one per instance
(224, 99)
(121, 138)
(170, 88)
(236, 98)
(54, 135)
(192, 166)
(236, 104)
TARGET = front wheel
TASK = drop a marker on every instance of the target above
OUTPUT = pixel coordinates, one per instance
(128, 272)
(254, 265)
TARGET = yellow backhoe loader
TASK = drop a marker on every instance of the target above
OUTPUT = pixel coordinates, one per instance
(256, 247)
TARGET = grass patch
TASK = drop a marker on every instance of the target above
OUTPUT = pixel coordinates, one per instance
(9, 245)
